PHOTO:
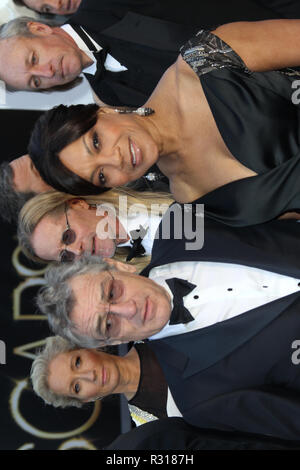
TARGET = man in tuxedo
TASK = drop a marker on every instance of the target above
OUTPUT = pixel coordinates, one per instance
(285, 8)
(123, 47)
(222, 321)
(123, 62)
(19, 181)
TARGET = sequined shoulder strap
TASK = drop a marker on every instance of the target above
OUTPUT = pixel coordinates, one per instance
(205, 52)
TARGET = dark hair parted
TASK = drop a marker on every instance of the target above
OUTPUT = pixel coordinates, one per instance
(54, 130)
(19, 2)
(11, 201)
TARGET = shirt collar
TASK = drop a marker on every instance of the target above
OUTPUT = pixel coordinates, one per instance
(91, 69)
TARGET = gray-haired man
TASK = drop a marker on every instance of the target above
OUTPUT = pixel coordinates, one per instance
(123, 47)
(122, 59)
(94, 303)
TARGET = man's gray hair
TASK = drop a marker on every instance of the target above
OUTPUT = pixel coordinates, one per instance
(17, 27)
(57, 299)
(11, 202)
(55, 345)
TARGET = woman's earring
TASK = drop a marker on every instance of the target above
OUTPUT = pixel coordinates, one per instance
(140, 111)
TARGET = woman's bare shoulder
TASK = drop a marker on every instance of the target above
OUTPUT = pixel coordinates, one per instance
(174, 80)
(184, 70)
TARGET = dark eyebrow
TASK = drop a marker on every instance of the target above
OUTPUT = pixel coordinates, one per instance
(30, 81)
(99, 322)
(90, 153)
(27, 64)
(102, 295)
(30, 85)
(71, 388)
(28, 60)
(102, 289)
(86, 146)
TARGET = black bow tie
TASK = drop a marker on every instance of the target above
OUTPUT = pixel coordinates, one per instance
(100, 56)
(137, 249)
(180, 288)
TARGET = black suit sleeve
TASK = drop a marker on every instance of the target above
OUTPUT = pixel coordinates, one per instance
(176, 434)
(284, 8)
(273, 413)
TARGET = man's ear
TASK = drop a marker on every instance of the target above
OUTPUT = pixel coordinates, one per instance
(129, 268)
(39, 29)
(107, 109)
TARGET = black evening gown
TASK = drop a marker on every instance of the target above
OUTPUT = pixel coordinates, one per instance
(152, 392)
(259, 124)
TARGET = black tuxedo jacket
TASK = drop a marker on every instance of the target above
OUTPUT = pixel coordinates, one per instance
(103, 14)
(145, 36)
(238, 375)
(176, 434)
(145, 46)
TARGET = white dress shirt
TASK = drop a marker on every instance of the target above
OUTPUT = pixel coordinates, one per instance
(133, 222)
(110, 63)
(222, 291)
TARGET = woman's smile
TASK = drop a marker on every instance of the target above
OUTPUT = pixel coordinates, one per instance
(136, 153)
(105, 376)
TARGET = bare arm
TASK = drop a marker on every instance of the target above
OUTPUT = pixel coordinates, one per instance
(290, 215)
(264, 45)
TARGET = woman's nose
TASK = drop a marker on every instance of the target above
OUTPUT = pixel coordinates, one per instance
(114, 158)
(89, 375)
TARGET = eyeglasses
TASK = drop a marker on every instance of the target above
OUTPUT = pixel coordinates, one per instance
(68, 237)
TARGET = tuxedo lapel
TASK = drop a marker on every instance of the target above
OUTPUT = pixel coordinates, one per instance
(114, 88)
(273, 246)
(84, 37)
(190, 353)
(150, 32)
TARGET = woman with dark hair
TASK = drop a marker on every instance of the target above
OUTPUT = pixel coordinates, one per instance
(63, 375)
(52, 7)
(221, 126)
